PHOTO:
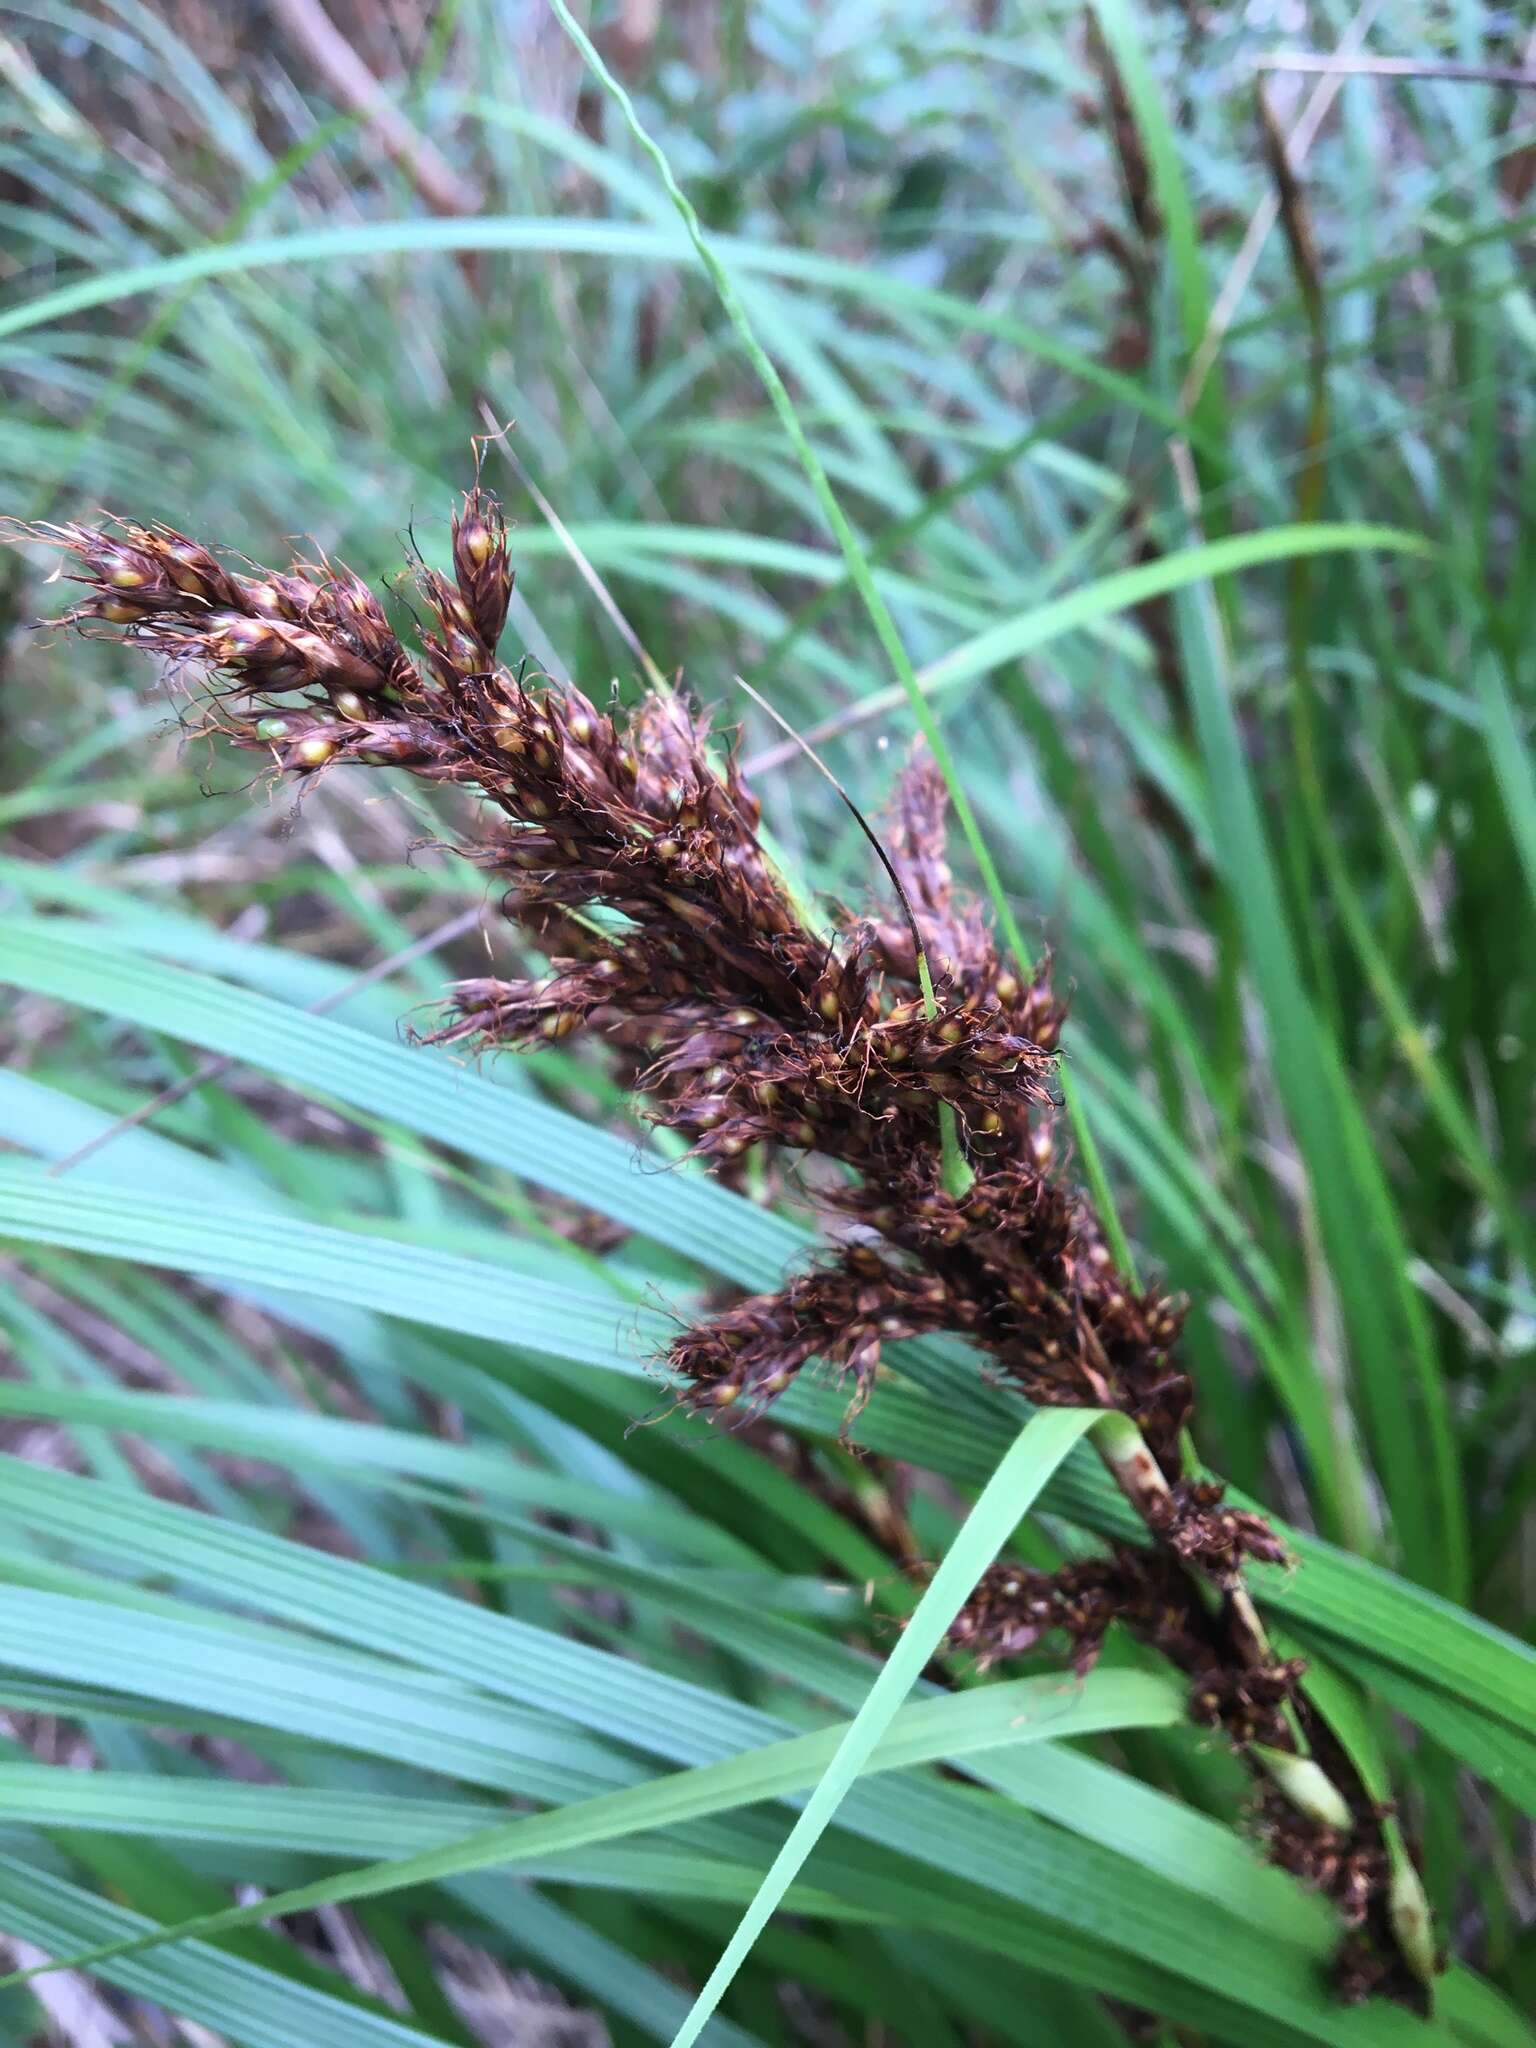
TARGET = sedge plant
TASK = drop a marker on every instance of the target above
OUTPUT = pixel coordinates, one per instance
(894, 1055)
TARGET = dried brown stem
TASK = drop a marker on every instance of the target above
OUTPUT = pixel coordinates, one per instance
(355, 86)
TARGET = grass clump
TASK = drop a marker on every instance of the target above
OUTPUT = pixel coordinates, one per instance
(1142, 427)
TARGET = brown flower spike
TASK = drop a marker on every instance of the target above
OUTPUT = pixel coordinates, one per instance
(628, 851)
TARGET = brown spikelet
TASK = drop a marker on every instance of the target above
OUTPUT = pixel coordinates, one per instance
(481, 567)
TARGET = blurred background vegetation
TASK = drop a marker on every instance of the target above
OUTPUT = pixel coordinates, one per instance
(1073, 327)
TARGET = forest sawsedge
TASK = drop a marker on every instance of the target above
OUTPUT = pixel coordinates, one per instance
(632, 862)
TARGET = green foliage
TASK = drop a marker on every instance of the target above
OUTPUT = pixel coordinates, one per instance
(344, 1348)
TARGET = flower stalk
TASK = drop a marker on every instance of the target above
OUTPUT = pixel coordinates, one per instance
(902, 1050)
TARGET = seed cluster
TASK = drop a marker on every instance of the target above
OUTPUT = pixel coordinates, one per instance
(1029, 1276)
(841, 1311)
(1352, 1869)
(1014, 1609)
(627, 848)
